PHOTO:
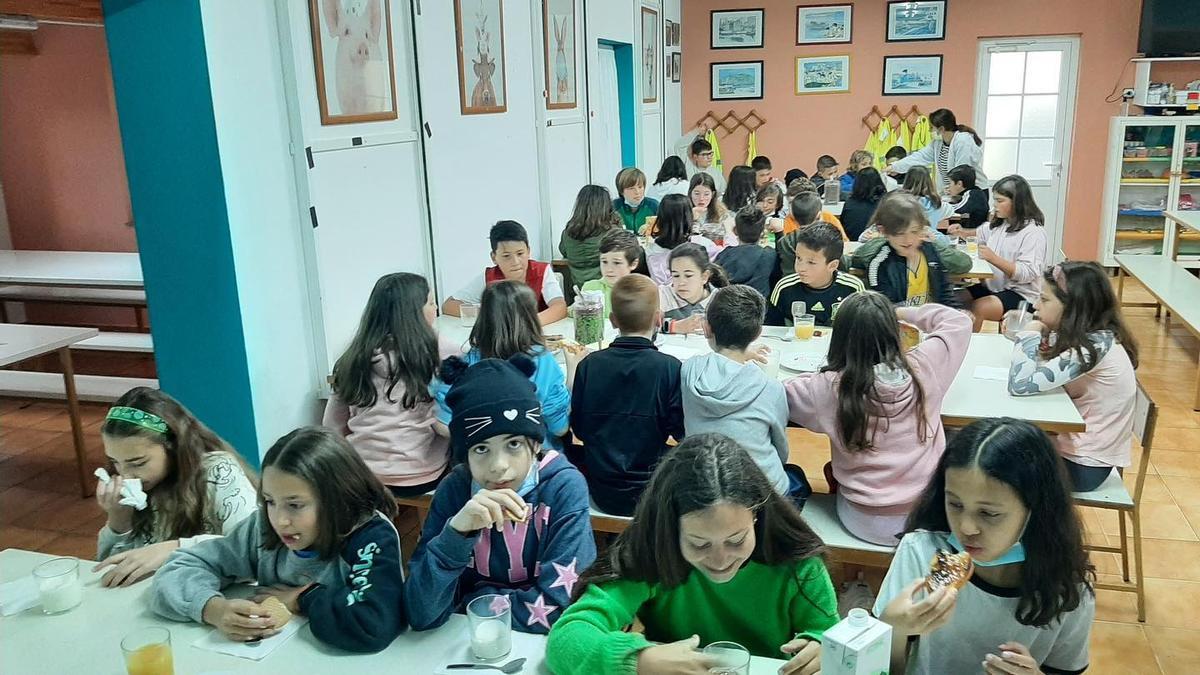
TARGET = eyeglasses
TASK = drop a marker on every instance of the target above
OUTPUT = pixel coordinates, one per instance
(706, 155)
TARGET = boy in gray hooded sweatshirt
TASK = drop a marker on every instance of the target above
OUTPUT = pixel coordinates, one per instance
(726, 393)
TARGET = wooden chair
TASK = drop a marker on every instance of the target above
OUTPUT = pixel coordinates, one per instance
(1113, 494)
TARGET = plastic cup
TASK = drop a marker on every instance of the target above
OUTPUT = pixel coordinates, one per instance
(771, 367)
(59, 588)
(468, 314)
(805, 325)
(730, 658)
(972, 247)
(489, 619)
(148, 652)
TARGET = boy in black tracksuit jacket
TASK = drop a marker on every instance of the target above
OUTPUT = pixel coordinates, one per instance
(626, 402)
(887, 270)
(973, 201)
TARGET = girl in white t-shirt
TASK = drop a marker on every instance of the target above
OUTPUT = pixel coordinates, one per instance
(1000, 494)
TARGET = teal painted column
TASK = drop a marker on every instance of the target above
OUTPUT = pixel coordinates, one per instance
(164, 102)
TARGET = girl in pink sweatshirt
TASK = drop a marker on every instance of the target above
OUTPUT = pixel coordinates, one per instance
(381, 401)
(881, 407)
(1014, 243)
(1078, 341)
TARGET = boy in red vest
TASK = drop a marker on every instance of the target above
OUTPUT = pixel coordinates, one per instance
(510, 253)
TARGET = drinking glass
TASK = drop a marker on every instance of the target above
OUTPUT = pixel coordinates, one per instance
(148, 652)
(489, 618)
(58, 583)
(805, 325)
(468, 314)
(730, 658)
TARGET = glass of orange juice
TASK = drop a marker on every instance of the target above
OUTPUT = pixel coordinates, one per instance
(805, 324)
(148, 652)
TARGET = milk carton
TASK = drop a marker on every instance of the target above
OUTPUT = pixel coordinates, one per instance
(858, 645)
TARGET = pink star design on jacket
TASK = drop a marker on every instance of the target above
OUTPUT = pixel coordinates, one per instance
(499, 604)
(567, 576)
(539, 612)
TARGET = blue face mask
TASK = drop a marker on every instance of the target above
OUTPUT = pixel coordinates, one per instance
(1015, 554)
(633, 205)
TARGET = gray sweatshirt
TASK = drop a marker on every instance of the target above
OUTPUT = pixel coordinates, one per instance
(357, 600)
(740, 401)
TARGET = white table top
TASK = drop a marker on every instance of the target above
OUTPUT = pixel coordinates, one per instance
(20, 341)
(1189, 219)
(835, 209)
(71, 268)
(969, 398)
(91, 634)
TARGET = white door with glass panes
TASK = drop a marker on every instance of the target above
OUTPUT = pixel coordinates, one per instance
(1025, 112)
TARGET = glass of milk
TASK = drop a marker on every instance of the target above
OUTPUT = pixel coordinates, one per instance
(59, 587)
(489, 619)
(728, 658)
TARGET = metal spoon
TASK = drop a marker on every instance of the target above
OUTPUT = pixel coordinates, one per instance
(513, 666)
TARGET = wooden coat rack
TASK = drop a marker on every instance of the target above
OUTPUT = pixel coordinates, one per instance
(893, 117)
(731, 121)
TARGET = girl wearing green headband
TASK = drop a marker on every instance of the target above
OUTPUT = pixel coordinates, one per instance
(196, 485)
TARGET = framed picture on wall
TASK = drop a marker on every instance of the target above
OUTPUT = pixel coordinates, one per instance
(912, 75)
(823, 74)
(911, 21)
(349, 89)
(479, 32)
(678, 34)
(669, 32)
(558, 35)
(742, 29)
(649, 55)
(738, 80)
(823, 24)
(676, 66)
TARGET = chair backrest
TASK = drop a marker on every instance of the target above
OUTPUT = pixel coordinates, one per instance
(1145, 417)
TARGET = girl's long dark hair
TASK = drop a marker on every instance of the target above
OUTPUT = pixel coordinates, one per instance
(716, 210)
(1024, 208)
(672, 167)
(393, 324)
(674, 222)
(508, 322)
(181, 499)
(945, 119)
(920, 183)
(868, 186)
(594, 214)
(865, 334)
(1089, 305)
(1020, 455)
(700, 472)
(347, 493)
(717, 276)
(740, 190)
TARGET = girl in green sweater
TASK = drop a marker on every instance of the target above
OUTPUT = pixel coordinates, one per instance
(713, 553)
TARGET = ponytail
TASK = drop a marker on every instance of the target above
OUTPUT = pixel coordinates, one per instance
(718, 277)
(945, 119)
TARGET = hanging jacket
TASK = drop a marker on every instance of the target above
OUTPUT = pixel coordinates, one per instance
(905, 137)
(887, 271)
(878, 143)
(711, 137)
(751, 147)
(922, 134)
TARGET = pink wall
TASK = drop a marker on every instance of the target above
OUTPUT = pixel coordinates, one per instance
(61, 162)
(800, 128)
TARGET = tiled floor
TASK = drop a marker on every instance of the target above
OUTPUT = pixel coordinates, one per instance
(40, 508)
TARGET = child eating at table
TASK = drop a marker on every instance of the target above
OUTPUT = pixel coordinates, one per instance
(816, 280)
(323, 545)
(620, 255)
(713, 553)
(508, 325)
(749, 263)
(510, 255)
(511, 519)
(672, 229)
(999, 495)
(625, 401)
(196, 486)
(633, 206)
(693, 279)
(1079, 341)
(881, 407)
(904, 264)
(380, 400)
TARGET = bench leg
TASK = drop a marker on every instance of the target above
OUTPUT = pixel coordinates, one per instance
(68, 368)
(1120, 285)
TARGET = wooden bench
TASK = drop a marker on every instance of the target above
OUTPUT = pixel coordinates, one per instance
(139, 343)
(820, 512)
(70, 295)
(96, 388)
(601, 521)
(1172, 286)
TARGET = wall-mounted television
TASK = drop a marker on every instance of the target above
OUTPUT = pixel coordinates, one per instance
(1170, 28)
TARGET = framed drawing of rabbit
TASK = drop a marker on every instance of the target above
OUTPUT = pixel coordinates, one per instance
(558, 36)
(479, 27)
(352, 55)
